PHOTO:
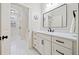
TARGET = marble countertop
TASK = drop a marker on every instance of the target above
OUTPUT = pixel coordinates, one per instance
(60, 34)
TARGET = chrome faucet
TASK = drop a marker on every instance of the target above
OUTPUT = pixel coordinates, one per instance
(50, 30)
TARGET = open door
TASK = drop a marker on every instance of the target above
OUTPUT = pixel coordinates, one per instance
(22, 20)
(5, 28)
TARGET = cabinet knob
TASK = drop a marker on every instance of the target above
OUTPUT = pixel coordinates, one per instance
(42, 42)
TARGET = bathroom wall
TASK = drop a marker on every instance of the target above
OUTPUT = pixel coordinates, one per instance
(45, 7)
(34, 10)
(70, 8)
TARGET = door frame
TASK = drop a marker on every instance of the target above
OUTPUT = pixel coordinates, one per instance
(24, 7)
(78, 32)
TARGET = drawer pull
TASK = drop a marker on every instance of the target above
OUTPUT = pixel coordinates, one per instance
(42, 42)
(59, 41)
(60, 52)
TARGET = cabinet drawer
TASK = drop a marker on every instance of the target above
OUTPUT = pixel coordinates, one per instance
(59, 50)
(47, 37)
(64, 42)
(34, 35)
(35, 45)
(35, 40)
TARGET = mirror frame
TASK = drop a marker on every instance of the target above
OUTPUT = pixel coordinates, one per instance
(53, 10)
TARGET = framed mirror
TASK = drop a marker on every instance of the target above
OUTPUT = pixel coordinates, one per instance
(56, 18)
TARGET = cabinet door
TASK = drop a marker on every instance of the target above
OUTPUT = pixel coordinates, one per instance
(47, 47)
(40, 45)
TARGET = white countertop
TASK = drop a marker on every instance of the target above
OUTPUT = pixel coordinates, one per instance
(60, 34)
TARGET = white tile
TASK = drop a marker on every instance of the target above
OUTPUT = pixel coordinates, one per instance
(19, 46)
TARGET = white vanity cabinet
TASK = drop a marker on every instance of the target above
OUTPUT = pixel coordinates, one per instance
(54, 44)
(63, 46)
(42, 43)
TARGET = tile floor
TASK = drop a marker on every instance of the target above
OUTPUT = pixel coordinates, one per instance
(19, 46)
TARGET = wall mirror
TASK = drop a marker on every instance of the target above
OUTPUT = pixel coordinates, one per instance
(56, 18)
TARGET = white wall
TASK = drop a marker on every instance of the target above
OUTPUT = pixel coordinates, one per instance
(70, 8)
(45, 7)
(34, 9)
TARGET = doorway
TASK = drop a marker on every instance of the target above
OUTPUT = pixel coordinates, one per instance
(19, 28)
(14, 19)
(19, 43)
(19, 20)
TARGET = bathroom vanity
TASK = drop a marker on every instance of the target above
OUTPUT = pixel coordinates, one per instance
(62, 40)
(54, 43)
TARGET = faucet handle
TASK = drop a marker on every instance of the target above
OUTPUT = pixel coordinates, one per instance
(53, 30)
(49, 29)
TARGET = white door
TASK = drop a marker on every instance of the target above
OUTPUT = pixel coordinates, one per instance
(23, 22)
(5, 28)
